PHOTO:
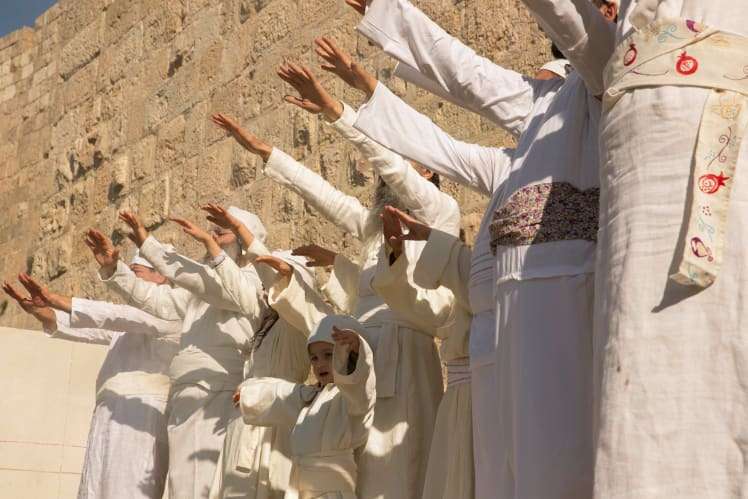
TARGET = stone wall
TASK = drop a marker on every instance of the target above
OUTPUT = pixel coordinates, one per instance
(105, 105)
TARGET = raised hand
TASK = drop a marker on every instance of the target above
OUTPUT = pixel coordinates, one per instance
(417, 231)
(357, 5)
(199, 235)
(341, 64)
(247, 140)
(42, 313)
(139, 234)
(103, 250)
(313, 97)
(278, 264)
(41, 296)
(346, 337)
(222, 218)
(393, 232)
(317, 255)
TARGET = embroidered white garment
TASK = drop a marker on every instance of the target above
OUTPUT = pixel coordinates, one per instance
(673, 406)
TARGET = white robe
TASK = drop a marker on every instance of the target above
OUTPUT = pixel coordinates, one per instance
(674, 410)
(450, 473)
(209, 365)
(326, 429)
(531, 372)
(409, 381)
(255, 461)
(126, 452)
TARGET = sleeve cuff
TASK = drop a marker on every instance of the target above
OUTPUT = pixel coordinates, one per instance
(151, 249)
(215, 261)
(433, 259)
(120, 270)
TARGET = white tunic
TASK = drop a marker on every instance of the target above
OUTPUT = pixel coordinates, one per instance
(674, 410)
(409, 381)
(514, 392)
(329, 423)
(450, 473)
(126, 452)
(209, 366)
(255, 461)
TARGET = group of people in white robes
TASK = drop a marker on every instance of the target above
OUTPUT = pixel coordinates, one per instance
(592, 338)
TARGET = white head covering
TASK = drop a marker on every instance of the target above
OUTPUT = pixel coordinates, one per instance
(322, 331)
(251, 221)
(299, 265)
(560, 67)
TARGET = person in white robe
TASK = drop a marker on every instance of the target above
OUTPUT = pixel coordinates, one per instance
(215, 341)
(531, 373)
(331, 419)
(409, 381)
(126, 450)
(255, 461)
(451, 472)
(670, 321)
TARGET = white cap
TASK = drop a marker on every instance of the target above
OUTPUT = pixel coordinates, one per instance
(251, 221)
(322, 331)
(560, 67)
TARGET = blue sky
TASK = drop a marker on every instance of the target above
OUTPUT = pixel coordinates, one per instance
(17, 13)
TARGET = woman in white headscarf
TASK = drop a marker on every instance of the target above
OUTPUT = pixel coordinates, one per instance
(216, 337)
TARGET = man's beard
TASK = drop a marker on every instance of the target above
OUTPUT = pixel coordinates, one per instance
(384, 196)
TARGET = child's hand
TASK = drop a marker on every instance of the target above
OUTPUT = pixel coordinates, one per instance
(346, 337)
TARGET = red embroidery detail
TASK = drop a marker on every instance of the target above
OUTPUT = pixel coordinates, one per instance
(710, 183)
(700, 249)
(693, 26)
(630, 56)
(686, 64)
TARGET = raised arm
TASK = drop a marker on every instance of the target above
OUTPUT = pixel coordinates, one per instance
(345, 211)
(582, 33)
(418, 195)
(357, 387)
(124, 318)
(270, 401)
(389, 120)
(65, 331)
(294, 300)
(474, 82)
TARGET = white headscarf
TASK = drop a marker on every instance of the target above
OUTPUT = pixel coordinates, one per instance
(250, 221)
(299, 265)
(560, 67)
(322, 331)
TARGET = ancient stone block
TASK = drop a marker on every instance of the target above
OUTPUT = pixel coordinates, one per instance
(82, 49)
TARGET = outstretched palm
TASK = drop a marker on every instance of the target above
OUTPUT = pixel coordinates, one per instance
(247, 140)
(340, 63)
(103, 250)
(312, 97)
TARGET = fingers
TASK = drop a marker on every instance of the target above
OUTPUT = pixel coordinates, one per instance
(130, 219)
(276, 263)
(181, 221)
(308, 250)
(12, 292)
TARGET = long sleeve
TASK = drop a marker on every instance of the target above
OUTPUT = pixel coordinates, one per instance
(429, 309)
(585, 37)
(298, 304)
(359, 387)
(445, 261)
(474, 82)
(345, 211)
(242, 286)
(200, 279)
(66, 332)
(120, 318)
(420, 196)
(164, 302)
(342, 286)
(389, 120)
(270, 402)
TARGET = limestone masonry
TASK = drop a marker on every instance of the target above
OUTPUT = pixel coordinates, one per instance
(105, 105)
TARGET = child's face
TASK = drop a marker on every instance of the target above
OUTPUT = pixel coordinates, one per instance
(320, 355)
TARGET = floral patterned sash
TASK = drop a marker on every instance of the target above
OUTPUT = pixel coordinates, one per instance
(686, 53)
(543, 213)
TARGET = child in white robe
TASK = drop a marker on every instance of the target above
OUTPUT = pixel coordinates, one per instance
(330, 419)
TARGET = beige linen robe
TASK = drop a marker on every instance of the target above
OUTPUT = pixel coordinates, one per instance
(209, 365)
(329, 423)
(450, 473)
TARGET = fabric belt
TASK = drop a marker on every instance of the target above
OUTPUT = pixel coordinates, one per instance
(214, 368)
(135, 383)
(543, 213)
(458, 372)
(679, 52)
(327, 471)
